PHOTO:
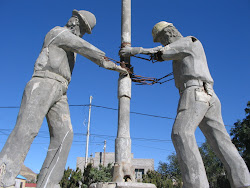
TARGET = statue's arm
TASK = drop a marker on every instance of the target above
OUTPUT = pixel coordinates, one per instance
(173, 51)
(76, 44)
(169, 53)
(176, 50)
(130, 51)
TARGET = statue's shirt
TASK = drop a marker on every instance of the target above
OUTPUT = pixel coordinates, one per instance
(189, 60)
(59, 50)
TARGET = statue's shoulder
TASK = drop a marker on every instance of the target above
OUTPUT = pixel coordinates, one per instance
(54, 33)
(56, 30)
(191, 38)
(185, 42)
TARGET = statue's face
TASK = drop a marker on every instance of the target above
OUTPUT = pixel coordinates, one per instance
(74, 25)
(164, 38)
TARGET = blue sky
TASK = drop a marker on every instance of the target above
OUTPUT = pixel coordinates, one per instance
(222, 27)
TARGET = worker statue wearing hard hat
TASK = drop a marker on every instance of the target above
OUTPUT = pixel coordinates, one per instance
(45, 95)
(198, 106)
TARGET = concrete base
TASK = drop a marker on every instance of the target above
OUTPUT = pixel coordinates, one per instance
(122, 185)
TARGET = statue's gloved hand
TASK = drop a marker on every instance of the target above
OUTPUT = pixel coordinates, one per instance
(129, 51)
(123, 71)
(105, 63)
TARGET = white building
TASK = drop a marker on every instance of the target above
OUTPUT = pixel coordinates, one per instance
(141, 166)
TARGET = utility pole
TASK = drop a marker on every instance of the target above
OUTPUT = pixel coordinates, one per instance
(87, 141)
(123, 173)
(123, 169)
(104, 152)
(91, 159)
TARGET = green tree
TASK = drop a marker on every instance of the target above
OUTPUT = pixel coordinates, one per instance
(215, 171)
(168, 174)
(71, 178)
(160, 181)
(171, 169)
(241, 136)
(93, 175)
(163, 168)
(75, 178)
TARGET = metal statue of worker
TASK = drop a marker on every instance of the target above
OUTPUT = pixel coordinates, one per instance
(198, 106)
(45, 95)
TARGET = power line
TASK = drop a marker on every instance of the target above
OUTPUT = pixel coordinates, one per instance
(109, 108)
(3, 133)
(134, 138)
(134, 112)
(106, 136)
(151, 147)
(9, 106)
(79, 105)
(104, 107)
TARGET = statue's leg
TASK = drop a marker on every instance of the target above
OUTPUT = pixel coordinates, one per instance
(190, 113)
(61, 136)
(213, 128)
(37, 99)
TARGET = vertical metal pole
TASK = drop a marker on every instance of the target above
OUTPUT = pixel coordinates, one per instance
(104, 152)
(87, 141)
(123, 168)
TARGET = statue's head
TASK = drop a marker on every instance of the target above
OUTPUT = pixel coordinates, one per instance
(165, 33)
(81, 22)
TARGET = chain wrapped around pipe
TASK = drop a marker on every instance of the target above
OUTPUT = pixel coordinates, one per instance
(142, 80)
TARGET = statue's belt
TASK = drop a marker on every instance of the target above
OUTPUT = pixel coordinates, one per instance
(196, 82)
(51, 75)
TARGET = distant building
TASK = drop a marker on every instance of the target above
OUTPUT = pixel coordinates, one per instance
(28, 174)
(141, 166)
(20, 182)
(30, 185)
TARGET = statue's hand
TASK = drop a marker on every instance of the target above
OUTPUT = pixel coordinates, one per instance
(125, 51)
(123, 71)
(107, 64)
(129, 51)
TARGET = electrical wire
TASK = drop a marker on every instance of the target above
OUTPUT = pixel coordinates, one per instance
(115, 109)
(104, 107)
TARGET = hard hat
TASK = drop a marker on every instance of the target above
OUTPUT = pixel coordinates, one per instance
(87, 18)
(158, 28)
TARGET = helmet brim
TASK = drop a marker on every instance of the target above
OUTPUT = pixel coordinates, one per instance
(83, 19)
(158, 28)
